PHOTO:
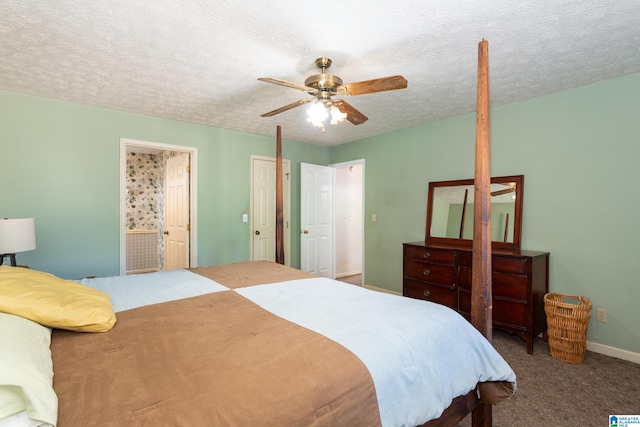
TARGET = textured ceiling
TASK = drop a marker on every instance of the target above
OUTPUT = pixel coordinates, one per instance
(198, 61)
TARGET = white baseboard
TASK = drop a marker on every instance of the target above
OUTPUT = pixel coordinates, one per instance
(387, 291)
(348, 273)
(613, 352)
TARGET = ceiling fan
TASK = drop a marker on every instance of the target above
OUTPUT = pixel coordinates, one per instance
(323, 86)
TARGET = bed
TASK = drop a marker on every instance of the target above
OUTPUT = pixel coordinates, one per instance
(259, 343)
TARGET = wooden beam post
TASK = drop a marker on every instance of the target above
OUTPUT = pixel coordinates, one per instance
(464, 214)
(481, 287)
(481, 303)
(279, 199)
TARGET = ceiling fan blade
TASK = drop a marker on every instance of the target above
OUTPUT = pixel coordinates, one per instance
(372, 86)
(287, 84)
(286, 107)
(353, 115)
(501, 192)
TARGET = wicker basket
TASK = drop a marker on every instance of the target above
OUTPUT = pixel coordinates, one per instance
(567, 322)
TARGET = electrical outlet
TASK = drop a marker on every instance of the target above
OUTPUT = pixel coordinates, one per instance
(601, 315)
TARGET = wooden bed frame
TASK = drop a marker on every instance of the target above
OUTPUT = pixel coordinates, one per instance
(481, 291)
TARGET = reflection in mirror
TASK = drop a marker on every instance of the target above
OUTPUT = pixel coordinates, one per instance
(451, 211)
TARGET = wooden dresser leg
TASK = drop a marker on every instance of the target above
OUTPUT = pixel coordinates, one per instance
(482, 416)
(530, 345)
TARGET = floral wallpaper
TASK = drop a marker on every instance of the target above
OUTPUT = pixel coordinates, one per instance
(144, 185)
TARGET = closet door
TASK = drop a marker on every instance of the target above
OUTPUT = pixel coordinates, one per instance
(316, 220)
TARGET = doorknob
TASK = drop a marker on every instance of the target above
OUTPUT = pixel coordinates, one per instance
(305, 231)
(166, 233)
(257, 232)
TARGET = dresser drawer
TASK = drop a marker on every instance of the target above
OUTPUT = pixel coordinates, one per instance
(429, 292)
(431, 255)
(504, 285)
(436, 273)
(509, 265)
(506, 312)
(503, 264)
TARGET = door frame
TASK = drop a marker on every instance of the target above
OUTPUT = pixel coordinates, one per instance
(286, 196)
(364, 180)
(126, 143)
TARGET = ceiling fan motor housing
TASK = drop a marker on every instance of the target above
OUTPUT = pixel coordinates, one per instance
(328, 82)
(324, 81)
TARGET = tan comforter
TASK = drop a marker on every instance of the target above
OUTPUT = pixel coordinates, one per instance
(212, 360)
(243, 274)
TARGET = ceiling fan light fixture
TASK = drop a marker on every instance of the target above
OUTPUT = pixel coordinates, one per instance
(337, 116)
(317, 113)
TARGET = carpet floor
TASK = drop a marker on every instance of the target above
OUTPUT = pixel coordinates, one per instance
(554, 393)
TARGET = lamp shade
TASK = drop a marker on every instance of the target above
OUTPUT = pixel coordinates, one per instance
(17, 235)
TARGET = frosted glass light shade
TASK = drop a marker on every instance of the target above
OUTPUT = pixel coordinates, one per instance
(317, 112)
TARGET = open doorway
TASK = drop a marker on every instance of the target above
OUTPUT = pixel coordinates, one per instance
(349, 221)
(145, 225)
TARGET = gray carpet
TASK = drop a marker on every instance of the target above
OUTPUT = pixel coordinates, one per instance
(551, 392)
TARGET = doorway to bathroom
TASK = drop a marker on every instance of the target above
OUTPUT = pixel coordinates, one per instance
(157, 206)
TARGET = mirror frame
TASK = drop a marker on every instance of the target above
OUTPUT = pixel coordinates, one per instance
(517, 220)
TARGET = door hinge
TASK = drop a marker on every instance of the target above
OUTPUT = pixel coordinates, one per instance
(188, 227)
(188, 168)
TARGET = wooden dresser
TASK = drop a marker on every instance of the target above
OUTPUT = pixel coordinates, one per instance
(442, 274)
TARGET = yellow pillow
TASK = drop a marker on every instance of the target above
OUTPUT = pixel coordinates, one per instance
(54, 302)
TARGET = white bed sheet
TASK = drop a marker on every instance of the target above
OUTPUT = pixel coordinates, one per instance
(137, 290)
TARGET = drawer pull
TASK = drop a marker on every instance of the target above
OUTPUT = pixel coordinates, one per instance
(426, 272)
(426, 254)
(426, 293)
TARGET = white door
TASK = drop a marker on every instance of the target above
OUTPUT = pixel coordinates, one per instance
(263, 211)
(316, 220)
(177, 213)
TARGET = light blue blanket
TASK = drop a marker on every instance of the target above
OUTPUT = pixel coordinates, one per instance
(421, 355)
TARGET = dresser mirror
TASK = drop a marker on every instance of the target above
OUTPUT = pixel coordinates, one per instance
(450, 212)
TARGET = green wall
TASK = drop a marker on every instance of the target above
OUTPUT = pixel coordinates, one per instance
(579, 151)
(59, 163)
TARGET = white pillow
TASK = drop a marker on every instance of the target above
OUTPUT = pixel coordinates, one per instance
(26, 370)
